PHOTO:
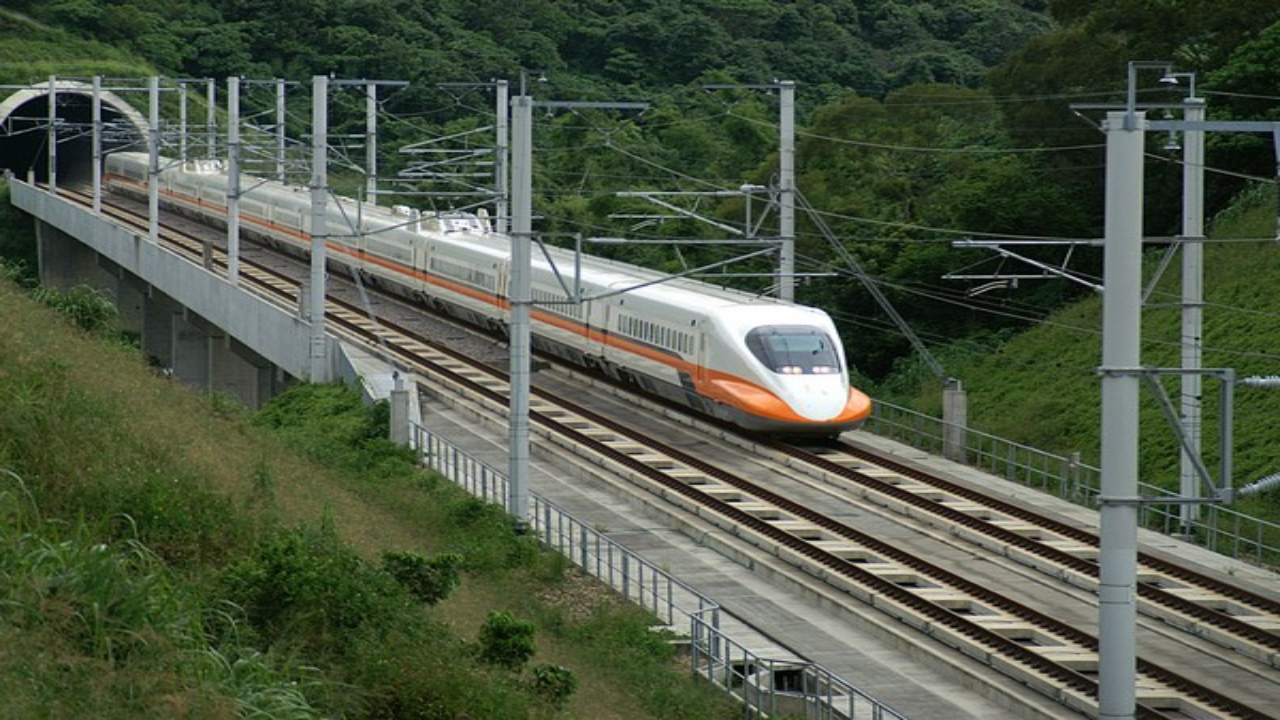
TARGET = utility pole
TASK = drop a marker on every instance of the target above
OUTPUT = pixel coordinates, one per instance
(1122, 371)
(233, 181)
(519, 293)
(520, 298)
(153, 174)
(371, 142)
(371, 131)
(787, 190)
(97, 144)
(280, 130)
(182, 120)
(53, 134)
(318, 356)
(279, 151)
(501, 158)
(1192, 305)
(1121, 378)
(211, 117)
(786, 285)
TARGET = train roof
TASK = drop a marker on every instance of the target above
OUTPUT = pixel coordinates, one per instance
(618, 275)
(603, 272)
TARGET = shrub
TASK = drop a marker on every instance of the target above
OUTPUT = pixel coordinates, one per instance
(422, 670)
(17, 272)
(307, 588)
(554, 684)
(331, 425)
(84, 306)
(109, 600)
(486, 535)
(174, 517)
(428, 579)
(506, 641)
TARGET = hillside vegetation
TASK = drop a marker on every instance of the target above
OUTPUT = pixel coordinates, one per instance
(30, 50)
(1041, 388)
(903, 147)
(919, 122)
(169, 555)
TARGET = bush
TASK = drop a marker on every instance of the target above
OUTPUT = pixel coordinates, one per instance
(422, 670)
(306, 588)
(331, 425)
(428, 579)
(485, 534)
(506, 641)
(84, 306)
(554, 684)
(181, 522)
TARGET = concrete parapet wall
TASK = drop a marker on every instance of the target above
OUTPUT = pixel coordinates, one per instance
(273, 332)
(209, 333)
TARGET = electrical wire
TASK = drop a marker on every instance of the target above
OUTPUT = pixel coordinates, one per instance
(1020, 312)
(932, 150)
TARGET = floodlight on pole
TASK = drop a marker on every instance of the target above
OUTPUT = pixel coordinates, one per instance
(524, 79)
(1176, 78)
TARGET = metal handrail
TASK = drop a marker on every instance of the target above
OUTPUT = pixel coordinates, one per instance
(770, 687)
(1223, 530)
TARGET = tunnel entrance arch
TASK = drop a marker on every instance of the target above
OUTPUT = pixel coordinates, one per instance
(24, 129)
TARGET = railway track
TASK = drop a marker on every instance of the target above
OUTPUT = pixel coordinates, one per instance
(1233, 616)
(1052, 656)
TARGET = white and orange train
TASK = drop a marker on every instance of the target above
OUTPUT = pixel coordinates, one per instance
(759, 363)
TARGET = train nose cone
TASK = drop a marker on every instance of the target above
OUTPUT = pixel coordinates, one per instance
(818, 400)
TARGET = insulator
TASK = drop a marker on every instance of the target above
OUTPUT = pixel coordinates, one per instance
(1266, 381)
(1266, 483)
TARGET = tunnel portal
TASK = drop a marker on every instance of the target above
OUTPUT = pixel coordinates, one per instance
(25, 133)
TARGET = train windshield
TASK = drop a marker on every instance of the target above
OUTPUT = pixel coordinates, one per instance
(794, 350)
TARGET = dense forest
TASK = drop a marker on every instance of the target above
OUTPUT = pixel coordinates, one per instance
(920, 123)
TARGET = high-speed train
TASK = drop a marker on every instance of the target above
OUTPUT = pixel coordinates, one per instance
(762, 364)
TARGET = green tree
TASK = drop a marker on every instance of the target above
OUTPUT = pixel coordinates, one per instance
(1086, 59)
(928, 156)
(219, 51)
(506, 641)
(428, 579)
(554, 684)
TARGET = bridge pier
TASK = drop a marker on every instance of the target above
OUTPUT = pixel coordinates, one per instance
(201, 354)
(176, 338)
(64, 263)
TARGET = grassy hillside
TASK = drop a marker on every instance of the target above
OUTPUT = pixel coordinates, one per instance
(31, 52)
(169, 555)
(1040, 387)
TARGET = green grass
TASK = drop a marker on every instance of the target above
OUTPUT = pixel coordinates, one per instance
(1040, 387)
(166, 554)
(31, 52)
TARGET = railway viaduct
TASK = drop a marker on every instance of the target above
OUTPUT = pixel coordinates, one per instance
(193, 323)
